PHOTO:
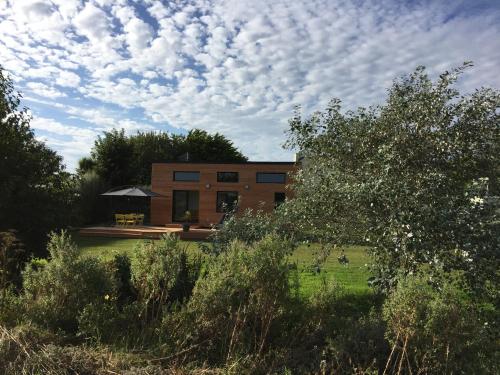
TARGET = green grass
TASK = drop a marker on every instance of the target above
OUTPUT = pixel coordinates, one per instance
(352, 277)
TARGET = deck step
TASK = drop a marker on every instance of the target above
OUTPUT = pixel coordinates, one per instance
(144, 232)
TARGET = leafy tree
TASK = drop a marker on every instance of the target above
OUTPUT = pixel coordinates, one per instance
(414, 178)
(113, 157)
(91, 206)
(205, 147)
(35, 191)
(85, 165)
(149, 148)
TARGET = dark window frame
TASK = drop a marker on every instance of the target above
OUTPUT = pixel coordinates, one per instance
(270, 173)
(196, 217)
(229, 182)
(175, 179)
(218, 206)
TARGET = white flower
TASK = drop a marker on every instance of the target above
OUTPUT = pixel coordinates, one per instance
(477, 200)
(410, 235)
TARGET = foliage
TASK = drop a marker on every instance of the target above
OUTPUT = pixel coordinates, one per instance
(105, 322)
(414, 178)
(162, 274)
(12, 259)
(251, 226)
(236, 308)
(56, 291)
(35, 191)
(126, 160)
(436, 331)
(90, 205)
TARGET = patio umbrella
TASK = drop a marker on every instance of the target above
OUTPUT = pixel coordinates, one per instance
(131, 192)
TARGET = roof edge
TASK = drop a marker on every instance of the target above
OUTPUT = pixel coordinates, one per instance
(227, 162)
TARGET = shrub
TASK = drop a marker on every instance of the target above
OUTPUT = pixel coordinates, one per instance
(106, 322)
(235, 309)
(12, 260)
(122, 274)
(249, 227)
(435, 331)
(55, 292)
(162, 275)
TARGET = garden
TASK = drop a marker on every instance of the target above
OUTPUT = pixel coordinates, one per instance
(386, 260)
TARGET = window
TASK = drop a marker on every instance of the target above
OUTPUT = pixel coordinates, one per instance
(226, 200)
(271, 178)
(227, 177)
(183, 201)
(279, 198)
(187, 176)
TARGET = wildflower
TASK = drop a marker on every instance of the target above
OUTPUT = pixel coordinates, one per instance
(477, 200)
(106, 297)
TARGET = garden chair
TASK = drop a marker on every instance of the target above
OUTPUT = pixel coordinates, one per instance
(139, 219)
(130, 219)
(120, 219)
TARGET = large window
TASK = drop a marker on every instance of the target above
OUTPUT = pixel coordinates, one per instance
(184, 201)
(271, 178)
(226, 201)
(227, 177)
(187, 176)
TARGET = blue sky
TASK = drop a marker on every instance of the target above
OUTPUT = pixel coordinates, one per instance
(235, 67)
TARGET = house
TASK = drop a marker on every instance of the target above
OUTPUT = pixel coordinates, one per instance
(207, 190)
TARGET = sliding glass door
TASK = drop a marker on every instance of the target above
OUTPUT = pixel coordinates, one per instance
(185, 200)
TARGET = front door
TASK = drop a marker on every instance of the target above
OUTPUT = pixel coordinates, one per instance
(183, 201)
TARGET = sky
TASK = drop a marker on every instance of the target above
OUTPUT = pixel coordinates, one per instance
(234, 67)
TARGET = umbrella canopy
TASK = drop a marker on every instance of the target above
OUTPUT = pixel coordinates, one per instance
(131, 191)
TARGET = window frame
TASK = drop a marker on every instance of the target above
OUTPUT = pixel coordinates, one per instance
(218, 207)
(176, 180)
(270, 173)
(228, 182)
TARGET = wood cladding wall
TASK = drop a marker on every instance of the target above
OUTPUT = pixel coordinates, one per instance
(251, 194)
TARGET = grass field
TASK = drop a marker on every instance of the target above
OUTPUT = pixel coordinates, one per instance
(352, 276)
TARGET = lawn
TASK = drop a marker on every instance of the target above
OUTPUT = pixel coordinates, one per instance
(352, 276)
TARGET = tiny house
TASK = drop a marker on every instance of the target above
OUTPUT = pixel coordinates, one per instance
(208, 190)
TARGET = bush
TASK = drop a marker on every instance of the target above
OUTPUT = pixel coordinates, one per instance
(163, 275)
(12, 260)
(105, 322)
(235, 309)
(249, 227)
(56, 291)
(436, 331)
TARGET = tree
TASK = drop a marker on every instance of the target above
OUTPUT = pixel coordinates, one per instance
(205, 147)
(414, 178)
(35, 191)
(113, 157)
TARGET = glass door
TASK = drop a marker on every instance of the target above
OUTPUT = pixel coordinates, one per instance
(185, 200)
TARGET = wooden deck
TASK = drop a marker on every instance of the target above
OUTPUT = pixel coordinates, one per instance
(153, 232)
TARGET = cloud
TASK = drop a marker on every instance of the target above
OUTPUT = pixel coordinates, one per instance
(233, 67)
(43, 90)
(92, 22)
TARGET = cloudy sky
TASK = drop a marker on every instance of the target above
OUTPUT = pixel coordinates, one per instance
(236, 67)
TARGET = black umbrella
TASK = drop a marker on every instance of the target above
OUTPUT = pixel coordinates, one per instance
(132, 192)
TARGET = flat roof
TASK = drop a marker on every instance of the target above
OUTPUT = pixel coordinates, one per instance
(227, 162)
